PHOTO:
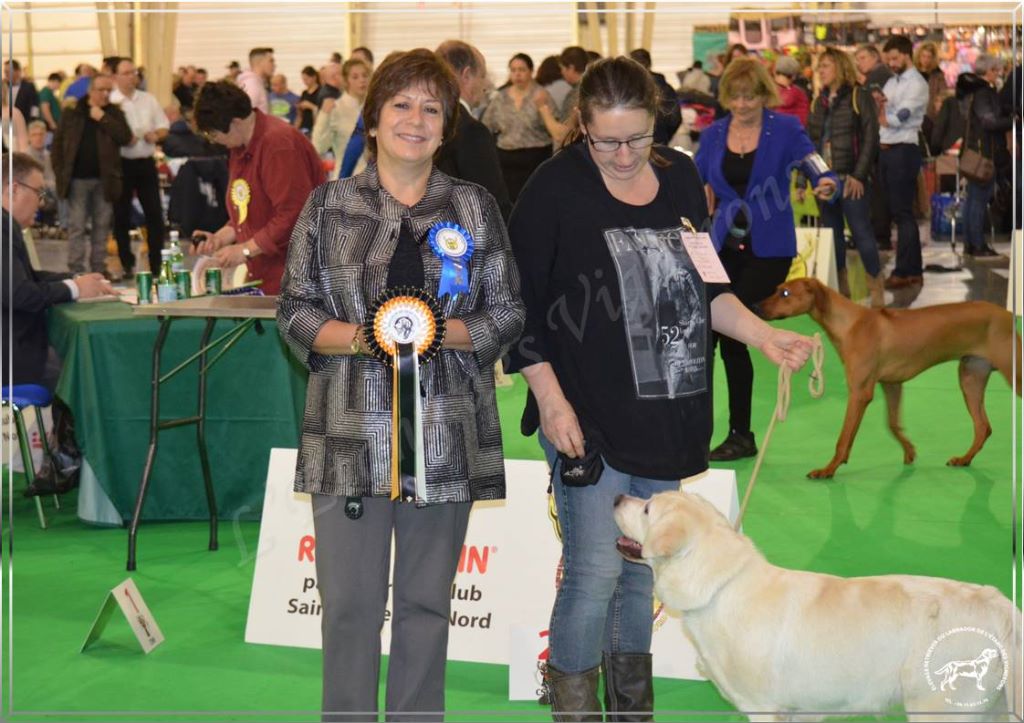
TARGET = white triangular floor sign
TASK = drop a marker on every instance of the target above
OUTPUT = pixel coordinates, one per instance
(136, 612)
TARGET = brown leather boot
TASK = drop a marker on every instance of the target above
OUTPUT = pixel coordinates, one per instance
(876, 291)
(844, 283)
(574, 695)
(628, 687)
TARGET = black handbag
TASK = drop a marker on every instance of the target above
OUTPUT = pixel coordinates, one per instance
(974, 166)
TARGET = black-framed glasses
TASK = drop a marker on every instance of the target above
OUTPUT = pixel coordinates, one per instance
(40, 192)
(610, 146)
(208, 136)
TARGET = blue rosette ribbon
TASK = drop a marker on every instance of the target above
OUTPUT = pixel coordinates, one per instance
(454, 246)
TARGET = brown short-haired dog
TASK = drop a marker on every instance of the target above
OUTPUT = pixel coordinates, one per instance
(890, 346)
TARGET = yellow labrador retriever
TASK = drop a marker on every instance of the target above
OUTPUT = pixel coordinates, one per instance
(791, 645)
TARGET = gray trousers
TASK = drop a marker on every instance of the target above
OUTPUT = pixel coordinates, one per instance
(352, 561)
(85, 200)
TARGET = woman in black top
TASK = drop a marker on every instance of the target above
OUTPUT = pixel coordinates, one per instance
(843, 126)
(985, 128)
(307, 102)
(617, 353)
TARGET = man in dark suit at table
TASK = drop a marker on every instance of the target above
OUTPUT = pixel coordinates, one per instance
(26, 98)
(32, 292)
(471, 154)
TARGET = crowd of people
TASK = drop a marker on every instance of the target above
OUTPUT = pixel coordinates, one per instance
(570, 209)
(528, 116)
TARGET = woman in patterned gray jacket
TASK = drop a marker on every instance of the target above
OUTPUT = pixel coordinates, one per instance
(354, 239)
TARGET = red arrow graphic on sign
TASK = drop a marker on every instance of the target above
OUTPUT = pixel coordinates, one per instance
(129, 596)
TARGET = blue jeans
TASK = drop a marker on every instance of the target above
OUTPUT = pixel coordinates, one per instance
(978, 196)
(900, 164)
(857, 213)
(604, 604)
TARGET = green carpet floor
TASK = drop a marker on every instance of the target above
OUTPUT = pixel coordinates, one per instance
(878, 516)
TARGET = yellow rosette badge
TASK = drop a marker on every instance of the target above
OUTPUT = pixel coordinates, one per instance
(241, 194)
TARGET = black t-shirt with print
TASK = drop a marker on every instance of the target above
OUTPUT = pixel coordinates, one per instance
(615, 305)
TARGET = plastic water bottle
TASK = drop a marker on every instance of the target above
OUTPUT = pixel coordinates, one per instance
(166, 285)
(177, 255)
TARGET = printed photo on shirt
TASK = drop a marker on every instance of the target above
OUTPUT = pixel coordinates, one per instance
(663, 308)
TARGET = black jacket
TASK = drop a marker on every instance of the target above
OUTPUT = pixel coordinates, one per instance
(670, 116)
(853, 130)
(1009, 98)
(31, 294)
(27, 100)
(948, 127)
(113, 132)
(985, 128)
(197, 196)
(472, 156)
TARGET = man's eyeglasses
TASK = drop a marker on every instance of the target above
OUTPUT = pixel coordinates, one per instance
(610, 146)
(40, 192)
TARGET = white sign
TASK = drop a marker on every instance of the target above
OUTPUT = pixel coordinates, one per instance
(504, 588)
(35, 442)
(500, 559)
(136, 612)
(815, 256)
(704, 257)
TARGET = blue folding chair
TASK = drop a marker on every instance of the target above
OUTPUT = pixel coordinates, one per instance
(18, 398)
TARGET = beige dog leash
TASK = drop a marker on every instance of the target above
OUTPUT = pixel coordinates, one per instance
(816, 388)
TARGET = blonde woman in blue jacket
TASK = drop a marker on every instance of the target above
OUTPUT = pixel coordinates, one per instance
(746, 160)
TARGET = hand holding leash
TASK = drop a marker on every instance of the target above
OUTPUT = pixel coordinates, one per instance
(816, 387)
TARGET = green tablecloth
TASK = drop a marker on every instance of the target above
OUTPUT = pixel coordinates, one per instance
(255, 395)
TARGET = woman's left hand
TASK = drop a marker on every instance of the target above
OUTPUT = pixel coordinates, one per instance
(230, 256)
(786, 347)
(825, 189)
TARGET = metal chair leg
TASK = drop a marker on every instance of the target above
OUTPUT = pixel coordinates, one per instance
(47, 453)
(26, 457)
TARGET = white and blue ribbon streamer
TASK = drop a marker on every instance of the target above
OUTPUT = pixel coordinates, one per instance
(454, 246)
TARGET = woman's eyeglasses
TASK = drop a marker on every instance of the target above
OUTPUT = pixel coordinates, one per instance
(610, 146)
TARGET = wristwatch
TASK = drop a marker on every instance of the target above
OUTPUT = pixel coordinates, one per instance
(246, 251)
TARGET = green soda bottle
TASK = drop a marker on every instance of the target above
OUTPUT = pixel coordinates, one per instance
(166, 286)
(177, 255)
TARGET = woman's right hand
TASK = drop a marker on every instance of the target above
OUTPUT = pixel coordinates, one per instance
(560, 425)
(211, 242)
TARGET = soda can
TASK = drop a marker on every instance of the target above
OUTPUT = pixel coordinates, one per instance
(144, 286)
(183, 279)
(213, 282)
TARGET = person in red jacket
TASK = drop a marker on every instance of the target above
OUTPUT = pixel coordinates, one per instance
(272, 169)
(793, 100)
